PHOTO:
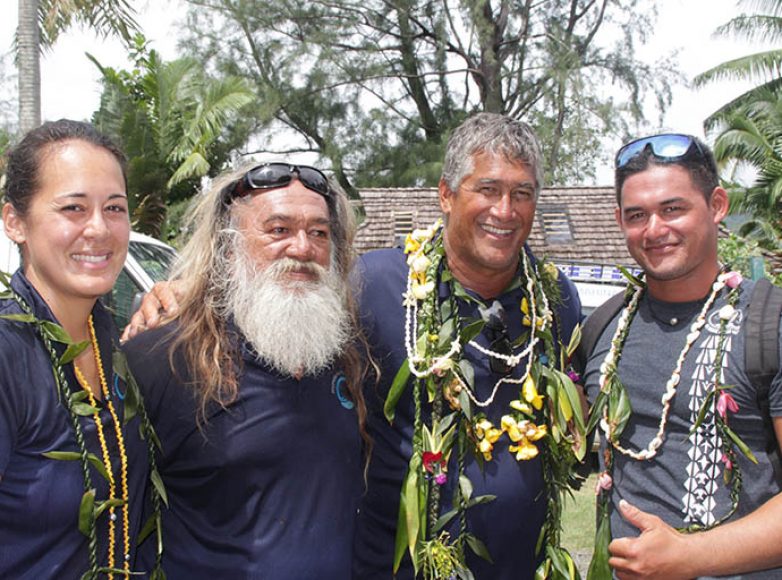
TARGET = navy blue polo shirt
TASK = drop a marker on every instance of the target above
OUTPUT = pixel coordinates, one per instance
(40, 497)
(267, 487)
(509, 525)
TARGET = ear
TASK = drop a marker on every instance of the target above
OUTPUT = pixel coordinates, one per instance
(719, 203)
(446, 197)
(14, 224)
(618, 217)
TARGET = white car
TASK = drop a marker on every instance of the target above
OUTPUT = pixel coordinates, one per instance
(149, 261)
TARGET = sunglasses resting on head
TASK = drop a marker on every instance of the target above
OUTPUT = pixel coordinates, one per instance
(276, 175)
(669, 147)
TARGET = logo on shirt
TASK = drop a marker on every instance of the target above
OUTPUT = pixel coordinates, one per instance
(339, 387)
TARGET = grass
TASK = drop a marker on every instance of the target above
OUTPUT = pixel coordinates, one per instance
(578, 524)
(578, 517)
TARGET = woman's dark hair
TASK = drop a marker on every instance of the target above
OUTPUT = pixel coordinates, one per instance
(24, 161)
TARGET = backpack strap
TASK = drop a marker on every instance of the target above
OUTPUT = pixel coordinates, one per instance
(761, 356)
(594, 326)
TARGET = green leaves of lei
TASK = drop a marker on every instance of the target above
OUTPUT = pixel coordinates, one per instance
(90, 508)
(420, 527)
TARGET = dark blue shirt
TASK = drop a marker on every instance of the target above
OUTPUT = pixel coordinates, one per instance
(267, 488)
(39, 497)
(509, 525)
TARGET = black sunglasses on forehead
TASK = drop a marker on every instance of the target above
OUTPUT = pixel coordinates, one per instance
(665, 147)
(276, 175)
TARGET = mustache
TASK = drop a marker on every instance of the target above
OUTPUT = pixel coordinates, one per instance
(283, 266)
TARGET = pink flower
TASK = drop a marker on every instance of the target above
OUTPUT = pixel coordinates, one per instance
(604, 482)
(726, 460)
(733, 279)
(440, 478)
(574, 376)
(726, 403)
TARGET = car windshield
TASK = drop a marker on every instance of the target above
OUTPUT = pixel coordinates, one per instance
(156, 260)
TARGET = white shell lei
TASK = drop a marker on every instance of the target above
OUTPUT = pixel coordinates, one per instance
(440, 363)
(609, 365)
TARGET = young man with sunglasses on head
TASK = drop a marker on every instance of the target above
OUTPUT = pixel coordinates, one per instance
(687, 488)
(254, 388)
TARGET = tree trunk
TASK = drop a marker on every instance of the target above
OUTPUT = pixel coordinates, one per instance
(29, 65)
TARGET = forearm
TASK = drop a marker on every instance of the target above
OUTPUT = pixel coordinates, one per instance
(745, 545)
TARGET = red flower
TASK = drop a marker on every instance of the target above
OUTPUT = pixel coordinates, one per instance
(430, 459)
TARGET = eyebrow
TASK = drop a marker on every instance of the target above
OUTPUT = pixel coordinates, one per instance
(491, 181)
(672, 200)
(82, 195)
(281, 217)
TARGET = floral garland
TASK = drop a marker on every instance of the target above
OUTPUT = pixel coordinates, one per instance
(613, 411)
(90, 508)
(435, 338)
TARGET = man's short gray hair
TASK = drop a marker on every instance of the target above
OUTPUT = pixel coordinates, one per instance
(494, 134)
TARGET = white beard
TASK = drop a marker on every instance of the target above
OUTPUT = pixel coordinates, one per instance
(297, 328)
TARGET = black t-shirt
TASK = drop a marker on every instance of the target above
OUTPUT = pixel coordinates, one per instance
(267, 488)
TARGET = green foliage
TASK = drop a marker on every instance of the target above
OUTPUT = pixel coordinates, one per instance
(762, 67)
(750, 138)
(376, 87)
(739, 252)
(106, 17)
(749, 128)
(176, 124)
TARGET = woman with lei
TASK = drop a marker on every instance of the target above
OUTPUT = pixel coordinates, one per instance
(482, 426)
(76, 450)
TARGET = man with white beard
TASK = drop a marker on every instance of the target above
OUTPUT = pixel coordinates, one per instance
(254, 388)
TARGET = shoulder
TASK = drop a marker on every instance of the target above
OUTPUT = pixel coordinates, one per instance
(569, 294)
(379, 262)
(380, 272)
(149, 361)
(15, 337)
(151, 343)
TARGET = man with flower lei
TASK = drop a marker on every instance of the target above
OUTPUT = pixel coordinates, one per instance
(686, 487)
(476, 426)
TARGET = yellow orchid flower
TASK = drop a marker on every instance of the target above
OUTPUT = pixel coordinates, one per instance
(411, 244)
(525, 306)
(481, 427)
(510, 426)
(531, 431)
(493, 434)
(551, 270)
(530, 393)
(524, 450)
(535, 432)
(521, 406)
(485, 447)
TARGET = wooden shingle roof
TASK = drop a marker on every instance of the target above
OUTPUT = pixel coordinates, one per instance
(572, 224)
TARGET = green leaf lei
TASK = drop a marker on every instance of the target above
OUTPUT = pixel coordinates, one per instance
(546, 416)
(90, 507)
(612, 411)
